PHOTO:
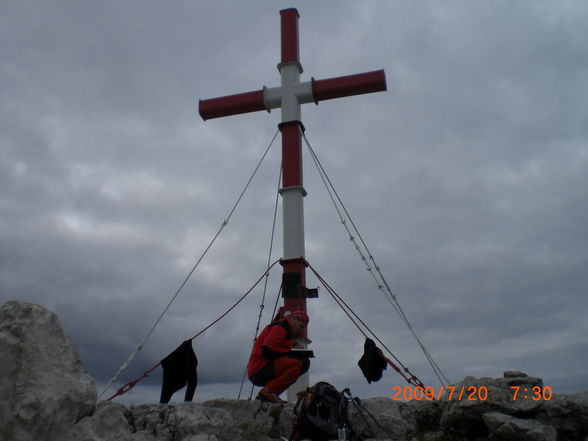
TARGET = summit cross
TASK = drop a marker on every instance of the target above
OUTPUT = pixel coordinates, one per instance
(288, 97)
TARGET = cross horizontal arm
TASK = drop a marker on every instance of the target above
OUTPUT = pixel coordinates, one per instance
(349, 85)
(231, 105)
(315, 90)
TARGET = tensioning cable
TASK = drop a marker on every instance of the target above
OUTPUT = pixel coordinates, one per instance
(363, 250)
(133, 354)
(269, 259)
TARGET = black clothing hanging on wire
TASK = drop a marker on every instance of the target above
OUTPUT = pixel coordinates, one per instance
(372, 363)
(179, 370)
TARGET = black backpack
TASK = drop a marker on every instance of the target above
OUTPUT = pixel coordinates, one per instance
(321, 414)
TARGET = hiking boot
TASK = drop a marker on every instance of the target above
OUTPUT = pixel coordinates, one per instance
(269, 397)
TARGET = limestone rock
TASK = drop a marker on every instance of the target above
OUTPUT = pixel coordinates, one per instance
(109, 422)
(43, 384)
(391, 423)
(508, 428)
(567, 413)
(422, 415)
(216, 419)
(464, 405)
(47, 396)
(514, 374)
(219, 420)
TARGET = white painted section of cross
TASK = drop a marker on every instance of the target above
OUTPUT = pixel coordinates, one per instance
(288, 97)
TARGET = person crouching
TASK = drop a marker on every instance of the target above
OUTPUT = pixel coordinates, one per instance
(271, 365)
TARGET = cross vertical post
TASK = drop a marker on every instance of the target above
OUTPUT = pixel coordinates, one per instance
(288, 97)
(292, 191)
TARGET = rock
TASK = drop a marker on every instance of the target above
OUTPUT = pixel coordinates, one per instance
(109, 422)
(48, 396)
(390, 422)
(508, 428)
(465, 402)
(215, 420)
(253, 420)
(514, 374)
(43, 384)
(221, 419)
(422, 415)
(567, 413)
(218, 420)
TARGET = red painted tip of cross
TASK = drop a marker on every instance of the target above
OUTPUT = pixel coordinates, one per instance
(289, 26)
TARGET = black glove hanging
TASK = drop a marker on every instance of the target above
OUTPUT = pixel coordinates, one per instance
(179, 370)
(372, 363)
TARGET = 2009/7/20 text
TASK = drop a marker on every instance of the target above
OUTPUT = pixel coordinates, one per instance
(429, 393)
(469, 393)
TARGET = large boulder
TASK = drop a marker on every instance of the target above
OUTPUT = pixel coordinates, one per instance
(466, 402)
(43, 385)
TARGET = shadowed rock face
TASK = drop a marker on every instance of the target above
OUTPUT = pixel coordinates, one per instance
(48, 396)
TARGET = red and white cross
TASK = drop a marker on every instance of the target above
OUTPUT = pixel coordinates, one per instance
(288, 97)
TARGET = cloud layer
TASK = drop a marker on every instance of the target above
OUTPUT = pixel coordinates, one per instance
(467, 180)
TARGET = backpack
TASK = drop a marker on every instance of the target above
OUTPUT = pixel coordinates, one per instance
(321, 414)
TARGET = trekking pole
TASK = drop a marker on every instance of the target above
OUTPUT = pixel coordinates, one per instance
(359, 406)
(347, 394)
(372, 417)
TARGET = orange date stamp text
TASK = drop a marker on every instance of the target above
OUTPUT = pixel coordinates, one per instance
(468, 393)
(449, 393)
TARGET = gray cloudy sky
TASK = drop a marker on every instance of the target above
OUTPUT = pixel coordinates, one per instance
(467, 179)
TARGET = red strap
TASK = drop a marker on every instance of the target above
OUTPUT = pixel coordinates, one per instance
(131, 384)
(413, 379)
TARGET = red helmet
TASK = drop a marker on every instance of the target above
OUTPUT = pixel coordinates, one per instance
(299, 315)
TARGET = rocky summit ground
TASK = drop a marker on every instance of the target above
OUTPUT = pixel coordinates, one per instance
(48, 396)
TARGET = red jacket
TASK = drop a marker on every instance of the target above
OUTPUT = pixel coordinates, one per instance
(274, 342)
